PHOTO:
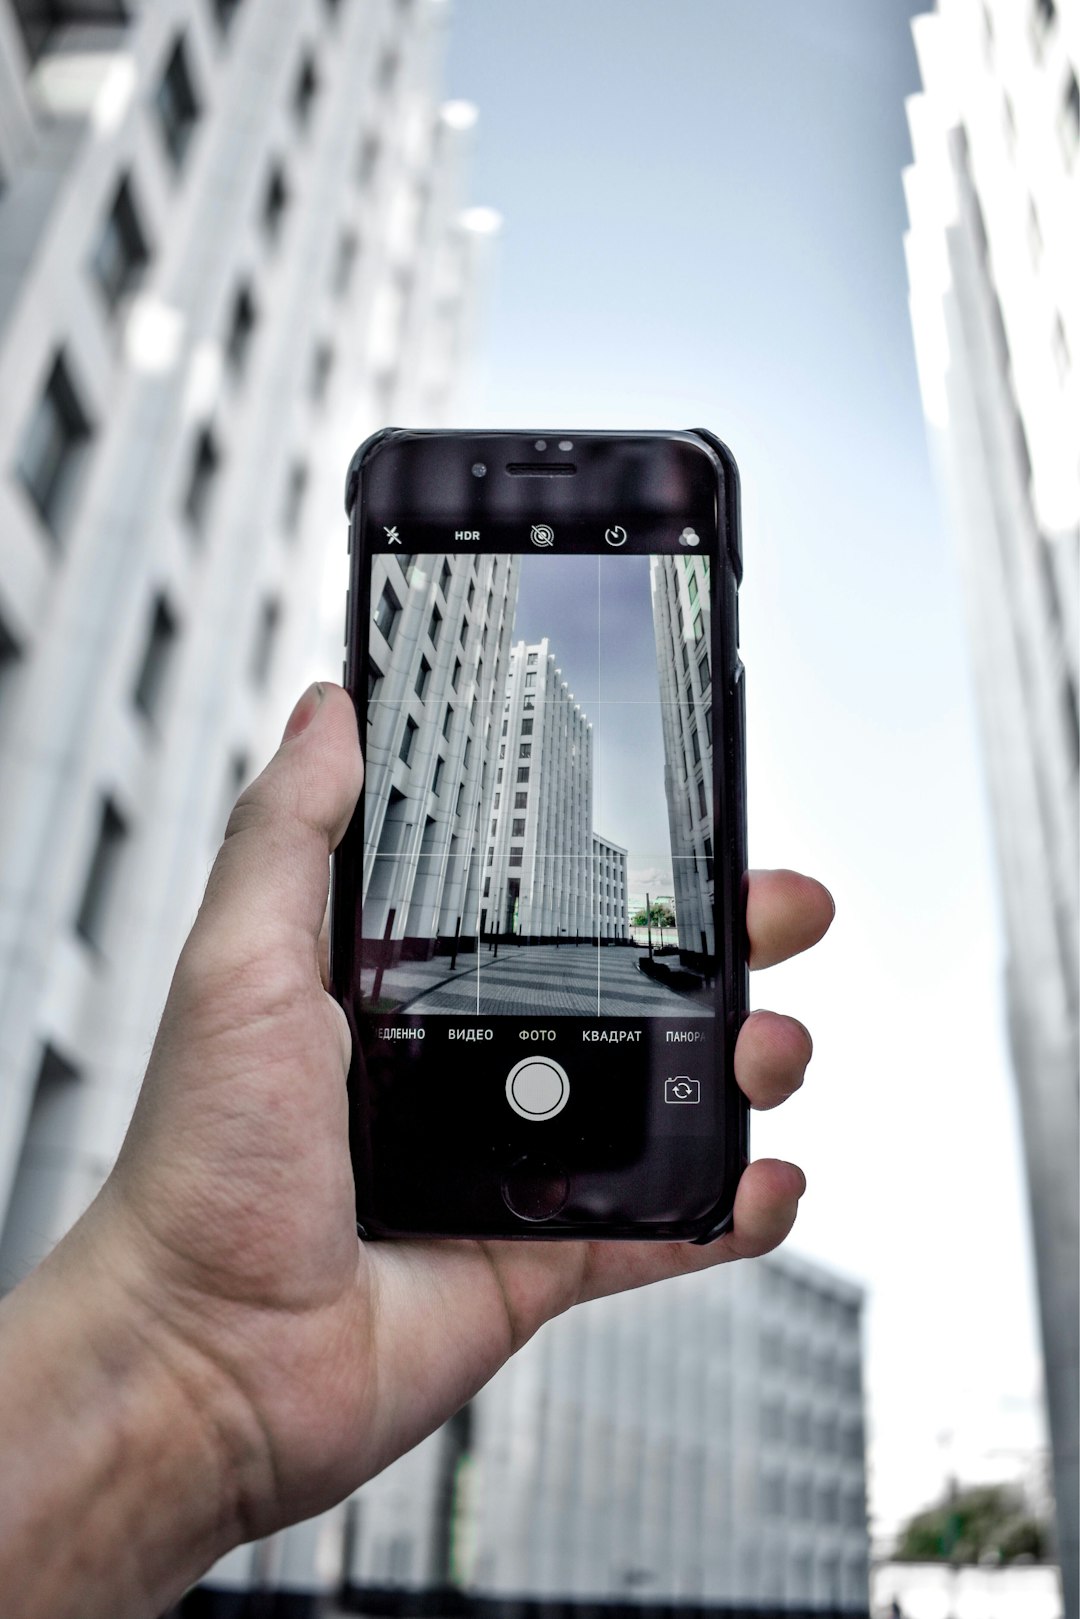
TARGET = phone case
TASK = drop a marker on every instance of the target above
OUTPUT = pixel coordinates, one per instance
(731, 863)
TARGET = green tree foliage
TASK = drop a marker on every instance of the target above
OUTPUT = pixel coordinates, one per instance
(660, 915)
(988, 1523)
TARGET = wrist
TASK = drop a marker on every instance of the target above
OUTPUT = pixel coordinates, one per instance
(127, 1456)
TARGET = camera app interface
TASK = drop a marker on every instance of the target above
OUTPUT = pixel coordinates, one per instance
(538, 803)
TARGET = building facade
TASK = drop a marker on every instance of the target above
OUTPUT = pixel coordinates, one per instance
(439, 653)
(609, 875)
(233, 246)
(993, 255)
(207, 212)
(682, 620)
(697, 1445)
(538, 875)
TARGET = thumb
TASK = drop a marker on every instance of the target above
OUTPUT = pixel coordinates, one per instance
(269, 882)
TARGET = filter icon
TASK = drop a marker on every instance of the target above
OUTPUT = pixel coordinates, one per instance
(689, 536)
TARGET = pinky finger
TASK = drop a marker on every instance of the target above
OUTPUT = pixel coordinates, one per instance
(766, 1203)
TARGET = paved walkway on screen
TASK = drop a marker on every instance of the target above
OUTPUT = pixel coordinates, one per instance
(528, 980)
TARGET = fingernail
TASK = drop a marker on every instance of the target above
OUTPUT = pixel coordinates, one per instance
(304, 712)
(801, 1176)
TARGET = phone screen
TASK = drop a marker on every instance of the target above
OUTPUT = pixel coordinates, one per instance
(538, 804)
(537, 918)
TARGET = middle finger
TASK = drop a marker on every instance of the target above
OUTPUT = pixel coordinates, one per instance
(771, 1055)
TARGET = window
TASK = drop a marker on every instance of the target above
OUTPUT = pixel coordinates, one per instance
(408, 739)
(224, 12)
(435, 626)
(490, 857)
(448, 720)
(423, 674)
(122, 253)
(101, 874)
(529, 704)
(691, 587)
(374, 679)
(405, 562)
(498, 775)
(348, 250)
(523, 773)
(708, 724)
(698, 627)
(525, 750)
(505, 723)
(275, 203)
(157, 653)
(694, 743)
(487, 887)
(496, 803)
(177, 108)
(266, 630)
(530, 681)
(456, 673)
(468, 751)
(464, 631)
(1070, 118)
(494, 826)
(471, 594)
(52, 446)
(205, 467)
(368, 160)
(305, 91)
(517, 830)
(531, 660)
(387, 70)
(526, 727)
(242, 323)
(322, 364)
(295, 489)
(387, 614)
(706, 844)
(1060, 344)
(521, 800)
(502, 751)
(460, 798)
(444, 577)
(437, 777)
(515, 854)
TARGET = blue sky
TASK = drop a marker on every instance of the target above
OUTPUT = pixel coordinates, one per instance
(703, 226)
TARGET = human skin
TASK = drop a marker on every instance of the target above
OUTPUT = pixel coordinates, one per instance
(211, 1353)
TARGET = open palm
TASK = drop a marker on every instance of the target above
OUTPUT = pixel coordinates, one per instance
(325, 1357)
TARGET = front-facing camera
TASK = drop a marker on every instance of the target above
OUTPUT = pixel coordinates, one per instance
(479, 469)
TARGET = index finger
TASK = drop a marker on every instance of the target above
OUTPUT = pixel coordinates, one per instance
(785, 913)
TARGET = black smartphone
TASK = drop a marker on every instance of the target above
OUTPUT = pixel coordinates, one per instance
(538, 909)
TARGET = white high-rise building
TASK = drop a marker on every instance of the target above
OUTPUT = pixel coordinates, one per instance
(697, 1443)
(609, 876)
(439, 653)
(993, 254)
(226, 227)
(538, 878)
(682, 623)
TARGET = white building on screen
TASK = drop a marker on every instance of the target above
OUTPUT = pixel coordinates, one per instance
(439, 653)
(993, 255)
(682, 621)
(233, 245)
(700, 1444)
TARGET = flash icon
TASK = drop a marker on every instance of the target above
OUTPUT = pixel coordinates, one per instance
(392, 535)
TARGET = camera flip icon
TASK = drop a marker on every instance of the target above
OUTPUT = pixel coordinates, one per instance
(682, 1089)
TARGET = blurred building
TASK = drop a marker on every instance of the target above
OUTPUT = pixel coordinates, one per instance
(993, 254)
(233, 245)
(439, 654)
(609, 875)
(698, 1445)
(538, 877)
(682, 623)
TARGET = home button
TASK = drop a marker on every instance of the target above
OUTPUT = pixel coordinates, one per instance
(536, 1188)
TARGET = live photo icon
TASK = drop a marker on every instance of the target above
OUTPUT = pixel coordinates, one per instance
(682, 1089)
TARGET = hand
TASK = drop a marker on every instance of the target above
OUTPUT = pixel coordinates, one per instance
(224, 1246)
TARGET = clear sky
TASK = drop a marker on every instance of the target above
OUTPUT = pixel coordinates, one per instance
(703, 226)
